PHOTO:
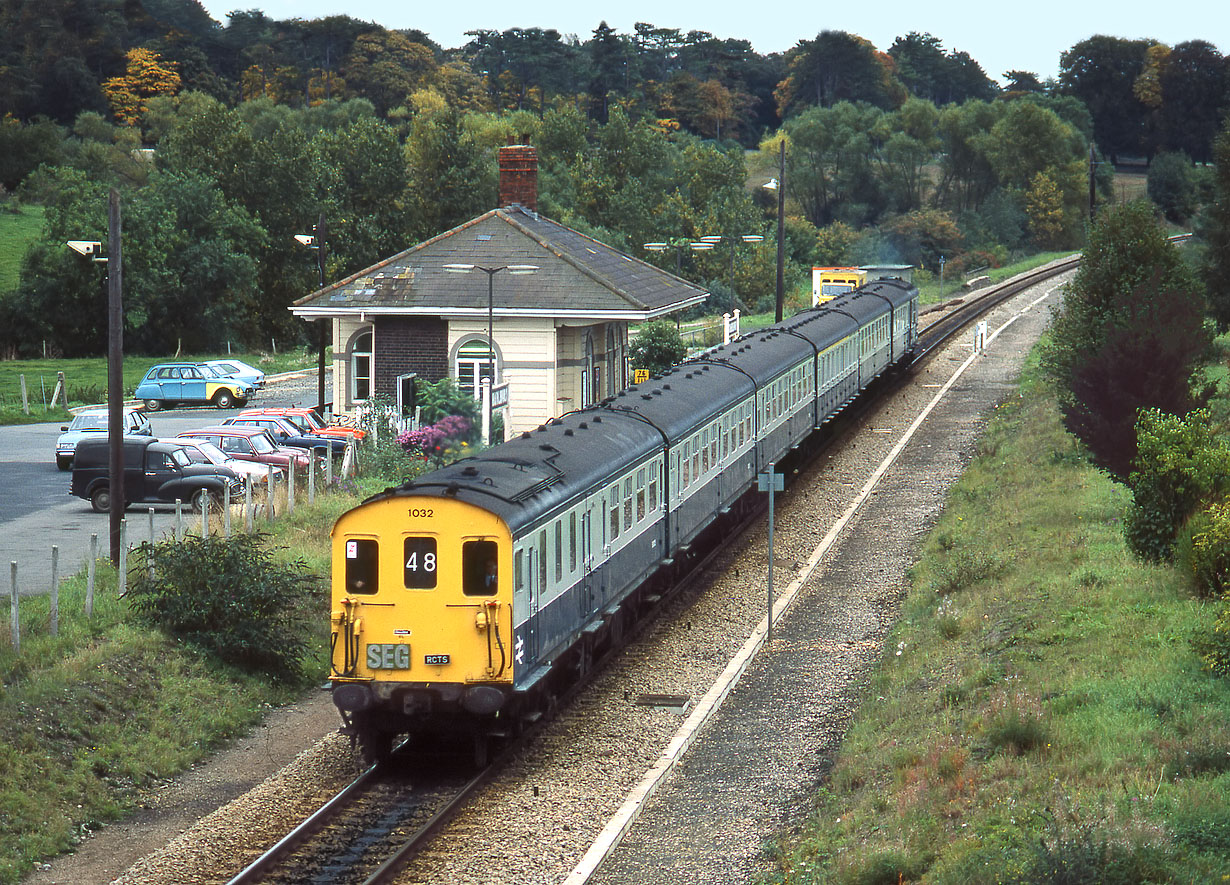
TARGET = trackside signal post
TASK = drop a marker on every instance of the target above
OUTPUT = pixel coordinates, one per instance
(772, 482)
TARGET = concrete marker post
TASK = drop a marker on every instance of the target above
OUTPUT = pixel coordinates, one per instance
(14, 617)
(290, 487)
(179, 519)
(121, 577)
(55, 591)
(89, 576)
(151, 526)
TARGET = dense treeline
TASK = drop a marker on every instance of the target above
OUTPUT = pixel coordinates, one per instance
(227, 141)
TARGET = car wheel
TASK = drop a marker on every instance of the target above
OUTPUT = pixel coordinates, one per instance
(153, 405)
(203, 498)
(101, 500)
(223, 399)
(63, 463)
(241, 402)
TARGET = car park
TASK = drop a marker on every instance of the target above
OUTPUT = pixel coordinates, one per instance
(251, 444)
(307, 420)
(167, 384)
(236, 369)
(154, 473)
(202, 451)
(93, 424)
(285, 433)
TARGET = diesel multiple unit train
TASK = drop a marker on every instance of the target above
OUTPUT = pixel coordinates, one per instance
(464, 600)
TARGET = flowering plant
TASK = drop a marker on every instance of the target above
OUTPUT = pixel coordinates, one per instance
(436, 441)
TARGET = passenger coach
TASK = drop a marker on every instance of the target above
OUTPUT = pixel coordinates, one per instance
(466, 599)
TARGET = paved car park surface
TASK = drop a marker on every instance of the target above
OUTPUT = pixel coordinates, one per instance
(37, 510)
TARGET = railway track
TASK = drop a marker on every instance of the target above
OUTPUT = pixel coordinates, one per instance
(373, 827)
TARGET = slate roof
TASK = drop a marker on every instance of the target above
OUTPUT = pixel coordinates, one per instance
(577, 276)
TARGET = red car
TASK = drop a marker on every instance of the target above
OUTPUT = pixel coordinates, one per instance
(306, 420)
(251, 444)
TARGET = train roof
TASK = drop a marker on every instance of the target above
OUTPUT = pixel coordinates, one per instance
(531, 475)
(683, 397)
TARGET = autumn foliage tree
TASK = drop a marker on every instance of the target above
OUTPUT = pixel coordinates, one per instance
(146, 76)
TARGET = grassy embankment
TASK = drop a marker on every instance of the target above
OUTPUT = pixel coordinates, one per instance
(91, 718)
(17, 230)
(1039, 714)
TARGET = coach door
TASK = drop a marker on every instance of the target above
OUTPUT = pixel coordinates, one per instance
(589, 592)
(537, 578)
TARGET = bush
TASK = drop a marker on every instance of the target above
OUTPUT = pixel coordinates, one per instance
(439, 399)
(1172, 185)
(1209, 556)
(1180, 463)
(230, 599)
(440, 442)
(1213, 645)
(656, 347)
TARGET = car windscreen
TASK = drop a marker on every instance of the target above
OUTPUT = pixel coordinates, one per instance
(89, 422)
(262, 443)
(181, 458)
(212, 452)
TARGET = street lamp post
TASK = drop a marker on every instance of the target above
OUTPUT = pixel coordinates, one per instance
(779, 184)
(734, 241)
(115, 361)
(317, 242)
(516, 270)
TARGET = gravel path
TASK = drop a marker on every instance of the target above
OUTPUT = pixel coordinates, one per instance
(750, 770)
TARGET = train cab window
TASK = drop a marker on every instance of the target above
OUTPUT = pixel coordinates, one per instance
(519, 571)
(362, 560)
(480, 575)
(419, 558)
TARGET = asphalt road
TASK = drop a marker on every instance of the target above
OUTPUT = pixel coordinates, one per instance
(37, 511)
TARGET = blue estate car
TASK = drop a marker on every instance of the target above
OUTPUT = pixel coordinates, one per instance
(169, 383)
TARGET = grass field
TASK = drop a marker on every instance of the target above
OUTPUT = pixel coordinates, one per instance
(1039, 714)
(17, 230)
(86, 379)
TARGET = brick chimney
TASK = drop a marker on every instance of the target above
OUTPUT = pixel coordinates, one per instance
(519, 176)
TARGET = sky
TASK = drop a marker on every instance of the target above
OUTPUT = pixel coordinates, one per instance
(999, 36)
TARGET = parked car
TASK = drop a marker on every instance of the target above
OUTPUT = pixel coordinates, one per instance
(154, 473)
(93, 423)
(307, 420)
(251, 444)
(169, 383)
(202, 451)
(240, 370)
(285, 433)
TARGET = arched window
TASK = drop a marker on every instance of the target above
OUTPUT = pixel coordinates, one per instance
(612, 370)
(472, 364)
(361, 368)
(588, 387)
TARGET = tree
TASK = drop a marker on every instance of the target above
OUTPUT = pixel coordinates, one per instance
(835, 67)
(1215, 231)
(829, 163)
(1023, 81)
(146, 76)
(385, 67)
(656, 347)
(1195, 86)
(1044, 212)
(1101, 71)
(939, 77)
(1128, 336)
(1172, 185)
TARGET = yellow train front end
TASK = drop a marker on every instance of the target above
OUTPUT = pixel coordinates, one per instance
(421, 620)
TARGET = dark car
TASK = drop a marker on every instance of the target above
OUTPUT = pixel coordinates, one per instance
(286, 433)
(154, 473)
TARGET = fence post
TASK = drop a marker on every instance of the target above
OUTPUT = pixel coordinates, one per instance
(89, 576)
(13, 616)
(226, 511)
(329, 471)
(25, 397)
(269, 489)
(290, 486)
(179, 519)
(247, 502)
(151, 526)
(121, 579)
(55, 590)
(312, 479)
(205, 517)
(59, 389)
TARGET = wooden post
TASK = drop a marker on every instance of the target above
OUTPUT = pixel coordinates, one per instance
(312, 479)
(121, 578)
(247, 502)
(290, 486)
(269, 490)
(25, 396)
(179, 519)
(226, 511)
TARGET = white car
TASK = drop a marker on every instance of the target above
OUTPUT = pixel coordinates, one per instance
(92, 424)
(235, 369)
(202, 451)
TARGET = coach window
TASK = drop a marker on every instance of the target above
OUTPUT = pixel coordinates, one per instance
(653, 487)
(519, 571)
(704, 450)
(640, 494)
(559, 550)
(613, 502)
(572, 541)
(362, 561)
(687, 468)
(627, 503)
